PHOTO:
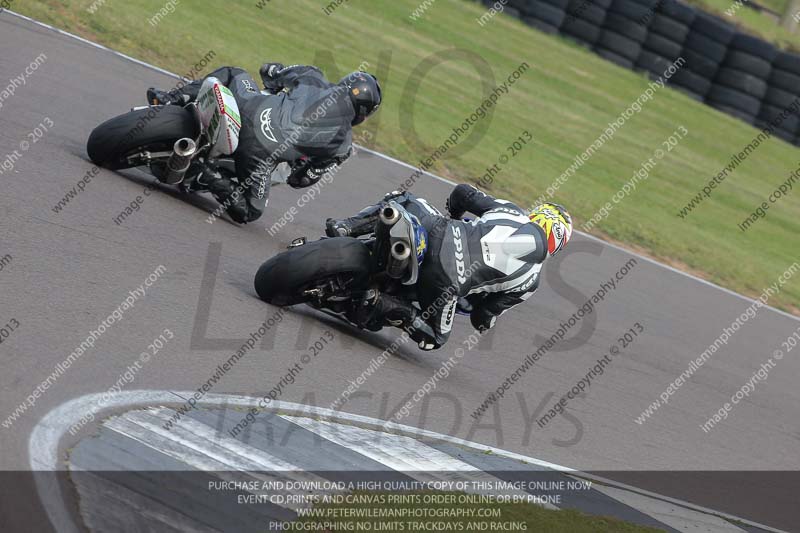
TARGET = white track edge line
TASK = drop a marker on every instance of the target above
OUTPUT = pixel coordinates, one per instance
(43, 444)
(412, 167)
(91, 43)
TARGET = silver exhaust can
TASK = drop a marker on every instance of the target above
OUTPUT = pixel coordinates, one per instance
(179, 161)
(389, 215)
(399, 256)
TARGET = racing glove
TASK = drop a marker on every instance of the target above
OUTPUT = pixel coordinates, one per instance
(268, 71)
(464, 198)
(304, 175)
(454, 213)
(308, 173)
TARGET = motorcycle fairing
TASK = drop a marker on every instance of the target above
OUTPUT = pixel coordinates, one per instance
(219, 115)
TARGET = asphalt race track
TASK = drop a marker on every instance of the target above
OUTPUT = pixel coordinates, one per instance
(69, 270)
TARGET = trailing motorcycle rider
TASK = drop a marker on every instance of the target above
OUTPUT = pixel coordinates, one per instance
(490, 263)
(301, 118)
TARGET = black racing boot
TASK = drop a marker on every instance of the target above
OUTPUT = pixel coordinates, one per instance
(377, 310)
(361, 224)
(159, 97)
(198, 178)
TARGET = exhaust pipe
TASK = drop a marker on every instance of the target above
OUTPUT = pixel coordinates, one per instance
(400, 251)
(400, 254)
(179, 161)
(389, 215)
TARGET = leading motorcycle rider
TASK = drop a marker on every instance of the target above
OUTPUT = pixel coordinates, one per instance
(491, 263)
(302, 119)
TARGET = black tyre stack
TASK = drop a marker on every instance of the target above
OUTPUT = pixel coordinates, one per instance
(783, 89)
(797, 139)
(624, 31)
(741, 82)
(668, 30)
(584, 20)
(704, 49)
(731, 71)
(546, 15)
(515, 8)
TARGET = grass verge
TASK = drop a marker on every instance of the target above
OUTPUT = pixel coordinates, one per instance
(565, 100)
(753, 22)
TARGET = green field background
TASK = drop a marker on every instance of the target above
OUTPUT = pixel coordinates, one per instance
(565, 100)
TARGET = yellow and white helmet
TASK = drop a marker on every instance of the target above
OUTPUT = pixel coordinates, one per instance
(556, 223)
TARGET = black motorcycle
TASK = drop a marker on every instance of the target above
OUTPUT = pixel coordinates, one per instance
(333, 274)
(178, 144)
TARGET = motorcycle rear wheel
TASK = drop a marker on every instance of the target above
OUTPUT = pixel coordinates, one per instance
(155, 129)
(286, 278)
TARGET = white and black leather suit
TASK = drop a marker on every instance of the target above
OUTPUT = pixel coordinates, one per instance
(493, 261)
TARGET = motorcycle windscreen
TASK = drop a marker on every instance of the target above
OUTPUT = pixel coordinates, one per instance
(219, 115)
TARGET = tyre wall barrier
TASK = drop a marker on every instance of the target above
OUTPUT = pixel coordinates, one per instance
(741, 75)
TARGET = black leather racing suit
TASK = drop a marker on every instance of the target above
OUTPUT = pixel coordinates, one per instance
(310, 120)
(494, 261)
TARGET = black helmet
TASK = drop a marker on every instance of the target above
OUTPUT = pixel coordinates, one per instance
(365, 93)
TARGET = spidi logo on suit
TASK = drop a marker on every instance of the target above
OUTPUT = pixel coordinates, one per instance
(461, 269)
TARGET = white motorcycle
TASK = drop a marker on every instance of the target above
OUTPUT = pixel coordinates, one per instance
(173, 141)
